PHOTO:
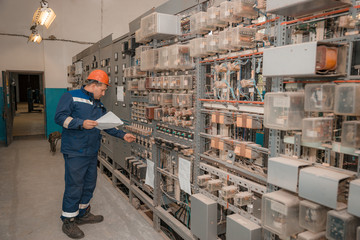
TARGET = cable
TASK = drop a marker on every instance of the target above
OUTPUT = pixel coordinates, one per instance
(46, 39)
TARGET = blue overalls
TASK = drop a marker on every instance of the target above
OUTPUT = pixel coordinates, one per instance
(80, 147)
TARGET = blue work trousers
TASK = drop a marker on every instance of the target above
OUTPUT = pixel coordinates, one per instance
(80, 182)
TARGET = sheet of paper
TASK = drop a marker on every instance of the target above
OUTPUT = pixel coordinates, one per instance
(149, 179)
(109, 120)
(120, 93)
(185, 175)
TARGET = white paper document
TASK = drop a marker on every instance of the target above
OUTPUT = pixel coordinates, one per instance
(149, 179)
(120, 93)
(109, 120)
(185, 175)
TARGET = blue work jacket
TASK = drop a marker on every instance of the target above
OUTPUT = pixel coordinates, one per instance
(73, 108)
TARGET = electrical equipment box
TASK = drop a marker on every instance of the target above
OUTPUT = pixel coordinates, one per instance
(241, 228)
(354, 196)
(203, 179)
(213, 17)
(78, 67)
(71, 74)
(319, 97)
(245, 8)
(243, 199)
(350, 136)
(182, 100)
(163, 63)
(347, 99)
(160, 26)
(280, 213)
(199, 23)
(330, 187)
(165, 99)
(203, 217)
(296, 8)
(212, 44)
(317, 129)
(284, 172)
(225, 40)
(227, 10)
(149, 60)
(309, 59)
(158, 114)
(311, 236)
(243, 37)
(312, 216)
(284, 110)
(140, 38)
(179, 57)
(198, 47)
(228, 192)
(153, 98)
(214, 185)
(341, 225)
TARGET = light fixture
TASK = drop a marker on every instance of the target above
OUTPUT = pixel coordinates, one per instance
(34, 36)
(44, 15)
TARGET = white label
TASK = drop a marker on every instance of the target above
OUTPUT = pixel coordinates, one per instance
(149, 179)
(225, 90)
(311, 133)
(227, 13)
(278, 207)
(251, 90)
(280, 121)
(120, 93)
(283, 102)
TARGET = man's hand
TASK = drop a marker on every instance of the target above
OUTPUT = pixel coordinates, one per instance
(129, 137)
(89, 124)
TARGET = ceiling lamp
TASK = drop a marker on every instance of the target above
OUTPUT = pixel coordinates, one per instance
(34, 36)
(44, 15)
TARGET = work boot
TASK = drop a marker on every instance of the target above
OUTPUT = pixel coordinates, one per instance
(89, 218)
(71, 229)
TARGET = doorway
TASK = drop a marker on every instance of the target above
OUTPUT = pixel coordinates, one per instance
(29, 117)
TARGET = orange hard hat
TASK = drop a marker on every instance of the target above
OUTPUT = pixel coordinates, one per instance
(100, 76)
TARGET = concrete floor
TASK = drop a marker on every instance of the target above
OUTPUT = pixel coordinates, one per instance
(26, 124)
(31, 188)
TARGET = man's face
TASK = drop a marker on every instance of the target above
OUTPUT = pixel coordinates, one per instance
(99, 91)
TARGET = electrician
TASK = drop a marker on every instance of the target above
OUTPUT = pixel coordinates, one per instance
(76, 112)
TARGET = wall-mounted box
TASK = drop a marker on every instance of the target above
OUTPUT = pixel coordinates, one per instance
(284, 172)
(280, 213)
(214, 17)
(284, 110)
(295, 8)
(302, 60)
(163, 62)
(317, 129)
(354, 197)
(149, 60)
(179, 57)
(311, 236)
(245, 8)
(350, 136)
(329, 189)
(243, 37)
(225, 40)
(160, 26)
(312, 216)
(199, 23)
(241, 228)
(347, 99)
(341, 225)
(212, 44)
(319, 97)
(198, 47)
(227, 10)
(203, 217)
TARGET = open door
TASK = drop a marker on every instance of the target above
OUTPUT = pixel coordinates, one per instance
(9, 107)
